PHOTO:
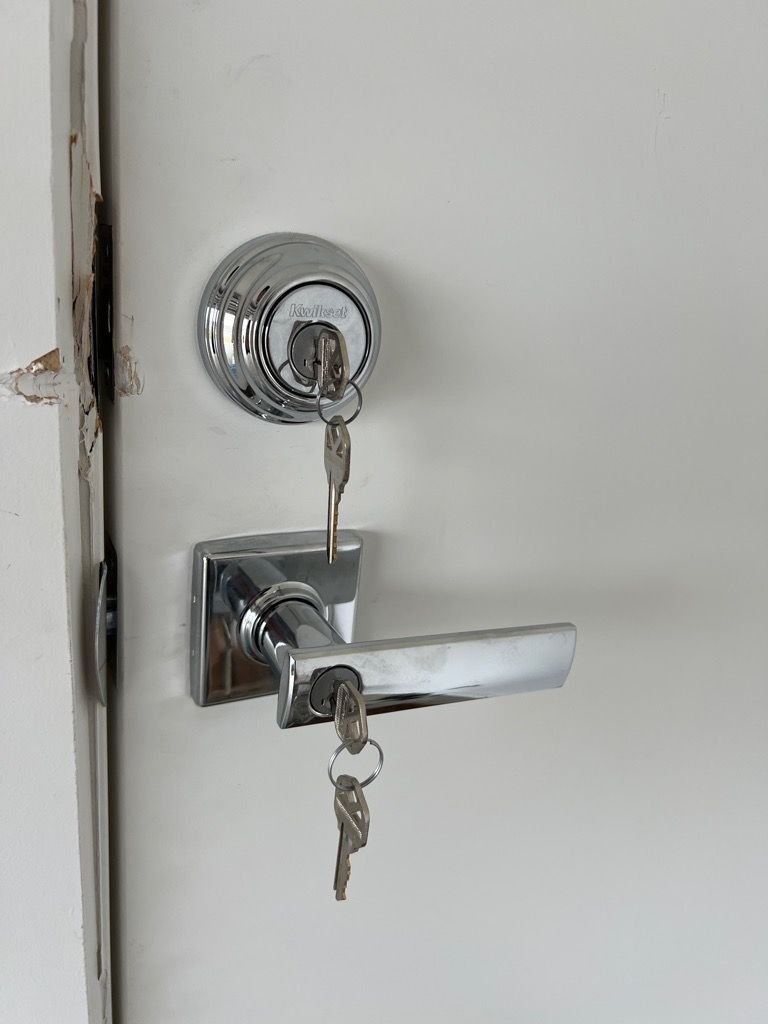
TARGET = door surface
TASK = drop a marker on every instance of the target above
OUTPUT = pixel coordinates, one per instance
(562, 208)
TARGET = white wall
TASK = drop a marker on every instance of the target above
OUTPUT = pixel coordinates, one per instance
(48, 931)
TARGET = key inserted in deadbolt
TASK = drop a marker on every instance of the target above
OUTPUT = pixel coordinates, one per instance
(302, 348)
(260, 316)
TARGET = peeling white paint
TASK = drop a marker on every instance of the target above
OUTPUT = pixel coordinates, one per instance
(90, 432)
(83, 201)
(42, 381)
(129, 376)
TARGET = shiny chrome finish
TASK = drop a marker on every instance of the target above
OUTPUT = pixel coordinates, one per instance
(269, 608)
(291, 625)
(421, 671)
(258, 613)
(236, 585)
(253, 313)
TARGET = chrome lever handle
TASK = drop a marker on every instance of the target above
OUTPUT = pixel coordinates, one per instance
(269, 615)
(427, 670)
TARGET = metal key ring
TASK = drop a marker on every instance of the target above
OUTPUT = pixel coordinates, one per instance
(311, 387)
(365, 782)
(354, 415)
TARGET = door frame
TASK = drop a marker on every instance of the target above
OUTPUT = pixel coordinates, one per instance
(53, 741)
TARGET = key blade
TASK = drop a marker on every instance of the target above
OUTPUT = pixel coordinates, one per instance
(343, 866)
(331, 540)
(337, 460)
(332, 544)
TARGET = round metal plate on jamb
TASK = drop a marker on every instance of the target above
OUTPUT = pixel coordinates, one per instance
(258, 316)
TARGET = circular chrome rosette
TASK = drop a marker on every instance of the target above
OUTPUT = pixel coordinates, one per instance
(261, 299)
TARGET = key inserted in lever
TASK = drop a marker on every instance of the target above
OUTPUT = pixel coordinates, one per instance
(300, 645)
(279, 607)
(422, 671)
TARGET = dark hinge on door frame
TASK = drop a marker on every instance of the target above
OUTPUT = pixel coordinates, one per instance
(102, 368)
(102, 373)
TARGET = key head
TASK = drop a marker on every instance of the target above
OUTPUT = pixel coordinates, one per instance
(352, 812)
(333, 375)
(338, 451)
(350, 718)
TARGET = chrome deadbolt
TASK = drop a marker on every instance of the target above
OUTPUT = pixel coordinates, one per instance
(261, 311)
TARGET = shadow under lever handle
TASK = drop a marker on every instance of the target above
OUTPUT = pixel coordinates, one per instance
(422, 671)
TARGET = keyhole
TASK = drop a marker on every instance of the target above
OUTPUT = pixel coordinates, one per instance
(302, 349)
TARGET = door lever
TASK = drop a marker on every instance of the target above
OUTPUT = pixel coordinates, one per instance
(421, 671)
(270, 615)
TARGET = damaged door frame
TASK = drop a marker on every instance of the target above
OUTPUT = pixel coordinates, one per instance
(53, 738)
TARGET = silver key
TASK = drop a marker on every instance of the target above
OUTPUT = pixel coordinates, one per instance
(350, 718)
(338, 450)
(353, 817)
(333, 368)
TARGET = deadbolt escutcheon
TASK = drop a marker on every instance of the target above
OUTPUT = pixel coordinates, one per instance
(258, 313)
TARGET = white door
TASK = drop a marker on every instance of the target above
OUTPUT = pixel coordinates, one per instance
(562, 208)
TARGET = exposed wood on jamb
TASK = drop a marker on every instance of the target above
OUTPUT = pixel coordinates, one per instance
(42, 381)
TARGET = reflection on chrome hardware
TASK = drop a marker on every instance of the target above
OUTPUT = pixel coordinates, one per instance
(271, 616)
